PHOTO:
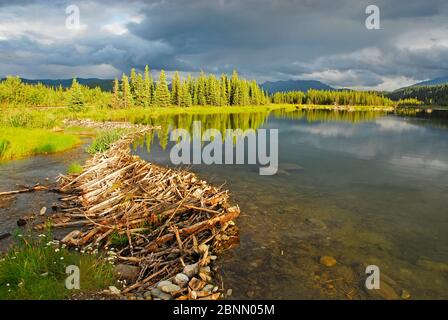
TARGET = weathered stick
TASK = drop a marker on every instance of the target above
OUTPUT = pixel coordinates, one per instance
(32, 189)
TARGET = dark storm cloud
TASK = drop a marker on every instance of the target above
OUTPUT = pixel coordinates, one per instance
(266, 39)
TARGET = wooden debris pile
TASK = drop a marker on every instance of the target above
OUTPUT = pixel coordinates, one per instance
(156, 218)
(87, 123)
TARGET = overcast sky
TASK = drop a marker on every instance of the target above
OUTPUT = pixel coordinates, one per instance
(324, 40)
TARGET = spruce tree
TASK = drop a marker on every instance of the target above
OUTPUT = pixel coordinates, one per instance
(116, 98)
(76, 101)
(149, 86)
(223, 91)
(140, 92)
(162, 96)
(201, 89)
(127, 101)
(190, 85)
(175, 86)
(235, 93)
(184, 95)
(133, 82)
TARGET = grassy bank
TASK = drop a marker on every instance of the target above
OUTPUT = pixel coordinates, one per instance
(345, 108)
(36, 269)
(16, 142)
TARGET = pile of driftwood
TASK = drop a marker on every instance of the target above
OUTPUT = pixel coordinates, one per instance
(156, 218)
(107, 125)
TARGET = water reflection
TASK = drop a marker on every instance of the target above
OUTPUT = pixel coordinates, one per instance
(365, 188)
(242, 120)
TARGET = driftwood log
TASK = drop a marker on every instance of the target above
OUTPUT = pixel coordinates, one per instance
(25, 190)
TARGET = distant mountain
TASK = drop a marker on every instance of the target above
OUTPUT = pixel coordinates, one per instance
(104, 84)
(432, 82)
(294, 85)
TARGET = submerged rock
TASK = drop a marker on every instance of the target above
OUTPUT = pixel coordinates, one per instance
(328, 261)
(43, 211)
(405, 294)
(316, 223)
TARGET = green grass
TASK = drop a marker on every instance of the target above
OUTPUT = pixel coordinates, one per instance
(74, 168)
(104, 140)
(35, 269)
(29, 118)
(118, 241)
(4, 146)
(23, 142)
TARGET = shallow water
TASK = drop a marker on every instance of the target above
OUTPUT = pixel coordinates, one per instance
(42, 169)
(364, 188)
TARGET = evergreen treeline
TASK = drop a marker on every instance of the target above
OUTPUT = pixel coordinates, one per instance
(430, 95)
(140, 90)
(332, 97)
(14, 92)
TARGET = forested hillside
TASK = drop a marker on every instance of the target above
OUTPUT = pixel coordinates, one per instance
(294, 85)
(327, 97)
(430, 95)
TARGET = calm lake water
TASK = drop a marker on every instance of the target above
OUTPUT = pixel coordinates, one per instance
(364, 188)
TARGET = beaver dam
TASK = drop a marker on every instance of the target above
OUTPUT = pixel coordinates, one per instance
(165, 225)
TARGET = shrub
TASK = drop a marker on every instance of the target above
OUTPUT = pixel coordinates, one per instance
(74, 168)
(104, 140)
